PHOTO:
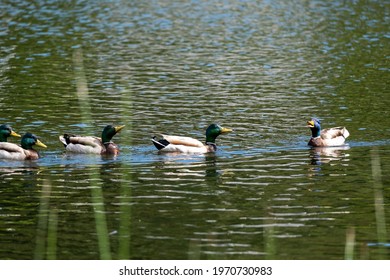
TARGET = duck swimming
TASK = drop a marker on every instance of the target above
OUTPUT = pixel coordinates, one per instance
(182, 144)
(6, 131)
(334, 136)
(24, 152)
(92, 144)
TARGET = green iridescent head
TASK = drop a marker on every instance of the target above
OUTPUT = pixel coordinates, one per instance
(214, 130)
(109, 131)
(6, 131)
(315, 127)
(29, 140)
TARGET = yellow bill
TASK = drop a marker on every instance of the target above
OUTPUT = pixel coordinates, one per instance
(310, 123)
(40, 144)
(13, 133)
(226, 130)
(119, 128)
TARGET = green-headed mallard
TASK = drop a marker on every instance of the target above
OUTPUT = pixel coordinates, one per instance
(92, 144)
(181, 144)
(326, 137)
(25, 152)
(6, 131)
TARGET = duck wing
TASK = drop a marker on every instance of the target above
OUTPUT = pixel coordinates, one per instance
(11, 147)
(12, 151)
(82, 144)
(334, 132)
(182, 140)
(67, 139)
(86, 140)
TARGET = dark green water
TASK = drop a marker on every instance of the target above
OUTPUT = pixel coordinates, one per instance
(261, 67)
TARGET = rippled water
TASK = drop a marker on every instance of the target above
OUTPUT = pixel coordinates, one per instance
(261, 68)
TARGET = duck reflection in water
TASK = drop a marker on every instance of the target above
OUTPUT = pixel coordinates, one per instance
(323, 155)
(184, 166)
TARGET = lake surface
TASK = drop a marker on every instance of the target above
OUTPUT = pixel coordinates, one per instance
(262, 68)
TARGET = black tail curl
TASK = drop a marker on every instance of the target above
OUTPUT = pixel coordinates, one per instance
(160, 144)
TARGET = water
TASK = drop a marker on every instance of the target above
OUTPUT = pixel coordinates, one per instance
(261, 68)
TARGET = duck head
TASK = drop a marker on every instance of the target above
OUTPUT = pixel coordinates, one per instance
(214, 130)
(109, 131)
(5, 132)
(29, 140)
(315, 127)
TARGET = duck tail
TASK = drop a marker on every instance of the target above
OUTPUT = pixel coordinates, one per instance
(345, 133)
(65, 139)
(160, 144)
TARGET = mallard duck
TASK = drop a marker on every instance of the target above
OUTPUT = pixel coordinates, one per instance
(326, 137)
(6, 131)
(181, 144)
(92, 144)
(25, 152)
